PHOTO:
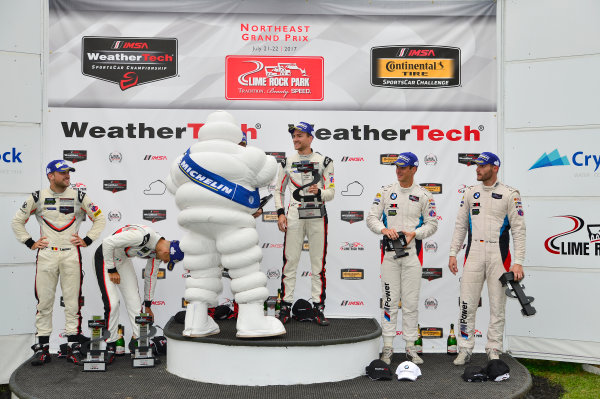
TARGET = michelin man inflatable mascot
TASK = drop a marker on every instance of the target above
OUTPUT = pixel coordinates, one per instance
(215, 186)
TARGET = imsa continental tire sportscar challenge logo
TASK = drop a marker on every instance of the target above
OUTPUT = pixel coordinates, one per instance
(352, 274)
(415, 67)
(129, 61)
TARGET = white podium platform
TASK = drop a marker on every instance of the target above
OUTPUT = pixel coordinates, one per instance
(307, 354)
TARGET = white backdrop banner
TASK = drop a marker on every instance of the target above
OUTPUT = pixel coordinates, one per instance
(127, 93)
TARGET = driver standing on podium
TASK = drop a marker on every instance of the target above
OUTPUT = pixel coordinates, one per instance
(296, 229)
(404, 207)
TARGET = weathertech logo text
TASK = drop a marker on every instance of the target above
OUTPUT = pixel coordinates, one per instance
(130, 61)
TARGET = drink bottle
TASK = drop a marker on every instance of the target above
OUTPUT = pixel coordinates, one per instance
(278, 303)
(452, 344)
(419, 342)
(120, 342)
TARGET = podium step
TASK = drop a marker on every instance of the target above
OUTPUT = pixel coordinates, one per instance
(306, 354)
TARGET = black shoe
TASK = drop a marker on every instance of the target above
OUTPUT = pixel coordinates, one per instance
(74, 354)
(62, 350)
(81, 338)
(41, 355)
(111, 348)
(284, 313)
(319, 317)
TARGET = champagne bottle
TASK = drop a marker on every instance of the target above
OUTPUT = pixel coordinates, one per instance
(419, 341)
(278, 303)
(120, 342)
(452, 345)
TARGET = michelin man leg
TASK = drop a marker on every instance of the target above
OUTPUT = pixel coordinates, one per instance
(241, 255)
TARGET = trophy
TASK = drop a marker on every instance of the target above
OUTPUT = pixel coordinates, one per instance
(143, 356)
(311, 206)
(96, 348)
(517, 292)
(398, 245)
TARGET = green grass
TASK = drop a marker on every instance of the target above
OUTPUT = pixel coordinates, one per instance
(577, 383)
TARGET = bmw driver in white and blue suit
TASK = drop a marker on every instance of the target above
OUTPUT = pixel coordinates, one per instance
(487, 213)
(406, 207)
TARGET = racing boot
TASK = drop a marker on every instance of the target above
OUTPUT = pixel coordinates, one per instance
(412, 355)
(41, 355)
(74, 354)
(463, 357)
(197, 322)
(79, 338)
(62, 350)
(493, 354)
(319, 317)
(284, 313)
(386, 354)
(252, 322)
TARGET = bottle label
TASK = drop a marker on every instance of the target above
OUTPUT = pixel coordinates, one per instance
(419, 348)
(120, 350)
(452, 349)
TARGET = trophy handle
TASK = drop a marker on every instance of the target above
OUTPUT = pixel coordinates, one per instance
(299, 197)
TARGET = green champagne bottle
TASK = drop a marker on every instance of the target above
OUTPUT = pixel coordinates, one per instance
(419, 341)
(452, 344)
(278, 303)
(120, 342)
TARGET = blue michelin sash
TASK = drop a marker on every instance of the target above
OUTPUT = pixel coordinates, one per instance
(217, 184)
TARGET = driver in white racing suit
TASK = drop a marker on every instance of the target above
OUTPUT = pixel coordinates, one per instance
(408, 208)
(114, 268)
(487, 213)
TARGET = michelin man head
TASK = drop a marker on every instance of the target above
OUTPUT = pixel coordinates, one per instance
(220, 125)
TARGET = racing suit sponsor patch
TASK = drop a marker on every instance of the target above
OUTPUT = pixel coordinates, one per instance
(476, 195)
(496, 196)
(475, 211)
(413, 198)
(392, 212)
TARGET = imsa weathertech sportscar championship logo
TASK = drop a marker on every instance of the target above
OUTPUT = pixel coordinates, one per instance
(129, 61)
(352, 216)
(467, 158)
(431, 273)
(415, 67)
(274, 78)
(279, 156)
(74, 155)
(154, 215)
(114, 185)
